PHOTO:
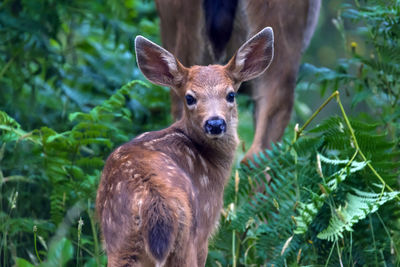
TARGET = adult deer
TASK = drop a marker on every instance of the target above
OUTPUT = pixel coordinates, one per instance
(160, 195)
(205, 31)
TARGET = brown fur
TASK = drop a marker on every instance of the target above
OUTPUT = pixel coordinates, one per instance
(160, 195)
(183, 33)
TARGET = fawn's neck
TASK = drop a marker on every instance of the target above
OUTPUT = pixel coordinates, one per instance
(220, 151)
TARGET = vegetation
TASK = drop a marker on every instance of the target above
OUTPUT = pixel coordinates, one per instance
(67, 100)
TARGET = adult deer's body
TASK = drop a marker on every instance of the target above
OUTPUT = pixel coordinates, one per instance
(160, 195)
(206, 31)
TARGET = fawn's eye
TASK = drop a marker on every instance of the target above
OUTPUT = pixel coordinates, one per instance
(190, 100)
(230, 97)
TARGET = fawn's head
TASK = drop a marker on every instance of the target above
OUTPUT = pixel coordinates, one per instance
(208, 92)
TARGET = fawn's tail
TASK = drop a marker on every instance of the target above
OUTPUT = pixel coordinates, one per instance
(160, 225)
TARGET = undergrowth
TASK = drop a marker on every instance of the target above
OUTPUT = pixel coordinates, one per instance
(315, 200)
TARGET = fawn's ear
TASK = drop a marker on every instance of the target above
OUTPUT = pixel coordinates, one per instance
(158, 65)
(253, 57)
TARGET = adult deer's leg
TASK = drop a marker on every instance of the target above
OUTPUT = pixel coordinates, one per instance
(274, 91)
(181, 33)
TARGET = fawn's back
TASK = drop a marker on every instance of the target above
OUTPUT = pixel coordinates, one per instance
(160, 195)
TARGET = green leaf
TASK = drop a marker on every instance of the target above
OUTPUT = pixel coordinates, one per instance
(60, 252)
(20, 262)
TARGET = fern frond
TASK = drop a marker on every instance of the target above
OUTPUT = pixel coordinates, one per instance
(357, 207)
(10, 130)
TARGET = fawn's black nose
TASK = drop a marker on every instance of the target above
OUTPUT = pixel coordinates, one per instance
(215, 125)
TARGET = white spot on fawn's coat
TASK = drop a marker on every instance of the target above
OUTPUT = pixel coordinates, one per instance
(190, 163)
(203, 164)
(204, 180)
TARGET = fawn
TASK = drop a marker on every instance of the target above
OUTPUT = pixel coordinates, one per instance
(201, 32)
(160, 195)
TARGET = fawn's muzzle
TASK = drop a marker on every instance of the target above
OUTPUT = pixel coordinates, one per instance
(215, 126)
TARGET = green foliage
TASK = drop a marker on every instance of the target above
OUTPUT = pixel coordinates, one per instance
(61, 113)
(313, 201)
(66, 56)
(329, 197)
(68, 163)
(357, 207)
(371, 76)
